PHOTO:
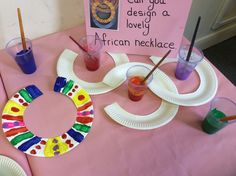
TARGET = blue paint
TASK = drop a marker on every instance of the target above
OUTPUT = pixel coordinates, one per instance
(25, 59)
(4, 125)
(34, 91)
(25, 146)
(77, 136)
(59, 84)
(16, 123)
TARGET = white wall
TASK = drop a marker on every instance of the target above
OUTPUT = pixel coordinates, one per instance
(209, 10)
(42, 17)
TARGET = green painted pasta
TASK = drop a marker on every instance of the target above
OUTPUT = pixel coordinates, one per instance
(24, 93)
(67, 87)
(21, 137)
(83, 128)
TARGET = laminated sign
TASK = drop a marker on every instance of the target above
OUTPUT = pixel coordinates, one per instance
(145, 27)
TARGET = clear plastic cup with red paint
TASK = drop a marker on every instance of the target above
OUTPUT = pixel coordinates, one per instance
(93, 46)
(136, 87)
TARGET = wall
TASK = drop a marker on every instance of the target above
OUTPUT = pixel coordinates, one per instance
(212, 11)
(42, 17)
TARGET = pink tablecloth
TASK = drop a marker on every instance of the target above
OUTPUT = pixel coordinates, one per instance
(179, 148)
(5, 147)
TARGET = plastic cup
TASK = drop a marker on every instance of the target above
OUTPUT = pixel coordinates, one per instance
(23, 57)
(184, 68)
(220, 107)
(135, 76)
(93, 46)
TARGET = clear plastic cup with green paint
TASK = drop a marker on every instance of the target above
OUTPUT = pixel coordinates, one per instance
(220, 107)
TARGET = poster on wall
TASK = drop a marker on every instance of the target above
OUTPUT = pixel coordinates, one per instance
(144, 27)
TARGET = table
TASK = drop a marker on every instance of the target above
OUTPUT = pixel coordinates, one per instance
(179, 148)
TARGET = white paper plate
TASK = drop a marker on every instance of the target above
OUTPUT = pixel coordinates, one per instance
(116, 76)
(164, 114)
(9, 167)
(205, 92)
(65, 69)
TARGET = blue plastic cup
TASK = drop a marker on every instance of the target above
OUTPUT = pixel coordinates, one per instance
(23, 57)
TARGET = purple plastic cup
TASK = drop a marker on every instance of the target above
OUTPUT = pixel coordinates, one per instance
(184, 68)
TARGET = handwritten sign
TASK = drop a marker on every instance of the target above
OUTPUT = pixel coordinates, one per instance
(145, 27)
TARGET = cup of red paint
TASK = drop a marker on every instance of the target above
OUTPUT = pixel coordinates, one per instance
(136, 87)
(93, 47)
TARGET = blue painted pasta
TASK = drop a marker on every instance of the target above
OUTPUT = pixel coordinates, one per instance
(34, 91)
(25, 146)
(77, 136)
(59, 84)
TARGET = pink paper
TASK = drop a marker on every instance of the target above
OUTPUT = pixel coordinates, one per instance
(150, 27)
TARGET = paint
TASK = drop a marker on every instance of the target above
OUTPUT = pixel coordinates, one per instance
(20, 137)
(83, 128)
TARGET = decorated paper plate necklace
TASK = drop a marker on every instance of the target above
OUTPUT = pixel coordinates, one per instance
(103, 12)
(20, 137)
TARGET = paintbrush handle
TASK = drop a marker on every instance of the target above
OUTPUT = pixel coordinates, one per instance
(228, 118)
(78, 45)
(155, 67)
(193, 40)
(22, 34)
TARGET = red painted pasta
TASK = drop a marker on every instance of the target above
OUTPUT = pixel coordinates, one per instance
(84, 119)
(15, 131)
(84, 106)
(9, 117)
